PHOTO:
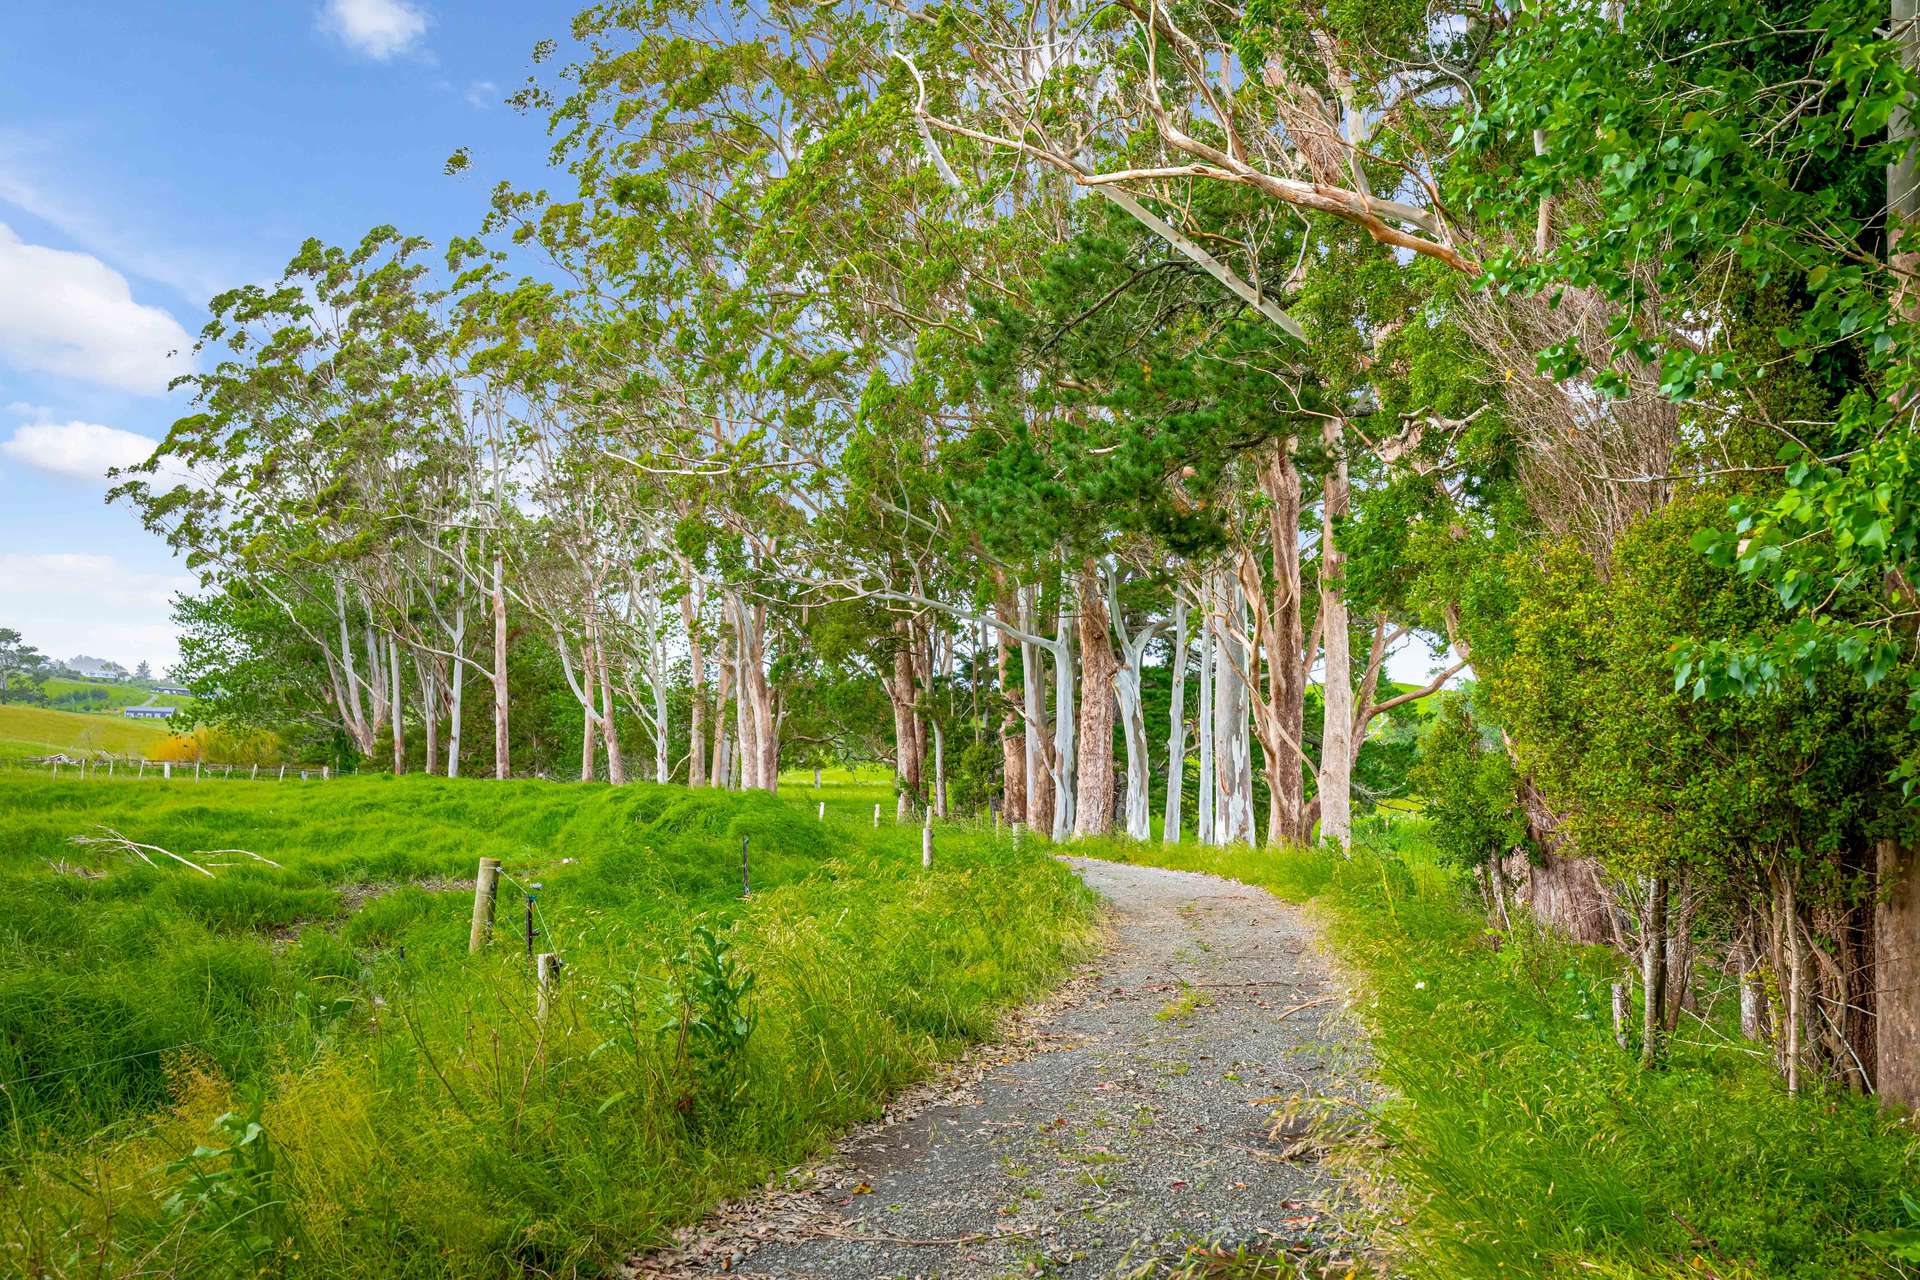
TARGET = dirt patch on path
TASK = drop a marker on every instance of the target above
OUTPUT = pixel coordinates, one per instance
(1157, 1110)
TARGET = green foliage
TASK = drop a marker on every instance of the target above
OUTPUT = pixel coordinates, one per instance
(1465, 782)
(710, 1017)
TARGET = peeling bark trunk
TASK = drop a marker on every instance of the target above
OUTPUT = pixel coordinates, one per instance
(609, 730)
(1033, 693)
(1653, 979)
(907, 758)
(1336, 673)
(1896, 966)
(1093, 799)
(1232, 742)
(1013, 737)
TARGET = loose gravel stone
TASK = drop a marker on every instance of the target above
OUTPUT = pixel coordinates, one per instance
(1175, 1103)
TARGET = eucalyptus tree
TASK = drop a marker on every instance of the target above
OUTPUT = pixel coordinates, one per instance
(288, 432)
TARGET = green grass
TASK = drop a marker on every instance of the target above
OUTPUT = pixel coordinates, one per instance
(36, 731)
(1523, 1142)
(414, 1116)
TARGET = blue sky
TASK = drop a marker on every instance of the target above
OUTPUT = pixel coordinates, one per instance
(152, 154)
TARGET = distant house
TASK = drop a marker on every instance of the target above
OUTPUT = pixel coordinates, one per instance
(174, 689)
(96, 668)
(147, 713)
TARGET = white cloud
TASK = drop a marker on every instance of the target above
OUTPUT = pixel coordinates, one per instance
(76, 450)
(378, 28)
(94, 604)
(71, 314)
(482, 94)
(25, 160)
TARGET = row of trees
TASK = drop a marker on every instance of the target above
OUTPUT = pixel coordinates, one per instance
(1006, 364)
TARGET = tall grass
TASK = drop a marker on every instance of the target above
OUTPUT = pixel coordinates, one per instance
(1522, 1141)
(354, 1095)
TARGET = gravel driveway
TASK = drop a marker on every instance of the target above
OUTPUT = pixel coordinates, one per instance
(1160, 1111)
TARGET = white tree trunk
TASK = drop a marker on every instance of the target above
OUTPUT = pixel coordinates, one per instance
(429, 686)
(1176, 727)
(1232, 746)
(1064, 726)
(399, 721)
(1032, 695)
(500, 759)
(457, 680)
(939, 770)
(1207, 800)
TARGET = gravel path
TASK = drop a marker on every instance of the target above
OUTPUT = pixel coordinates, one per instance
(1162, 1111)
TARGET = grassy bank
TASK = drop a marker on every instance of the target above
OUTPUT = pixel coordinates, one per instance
(39, 731)
(298, 1070)
(1524, 1142)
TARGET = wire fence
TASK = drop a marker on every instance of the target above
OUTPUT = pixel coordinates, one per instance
(91, 766)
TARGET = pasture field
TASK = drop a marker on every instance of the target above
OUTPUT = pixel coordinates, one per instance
(299, 1069)
(39, 731)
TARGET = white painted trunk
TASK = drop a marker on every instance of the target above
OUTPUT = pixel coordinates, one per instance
(398, 721)
(1065, 725)
(429, 686)
(1207, 801)
(500, 758)
(1232, 748)
(1032, 694)
(1137, 806)
(1176, 727)
(457, 678)
(939, 770)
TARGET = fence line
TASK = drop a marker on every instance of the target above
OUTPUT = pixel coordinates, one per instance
(88, 768)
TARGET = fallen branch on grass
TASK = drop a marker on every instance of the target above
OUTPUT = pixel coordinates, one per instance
(114, 839)
(250, 853)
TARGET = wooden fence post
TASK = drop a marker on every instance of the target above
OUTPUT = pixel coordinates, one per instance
(1620, 1014)
(876, 817)
(823, 811)
(547, 967)
(254, 776)
(166, 770)
(326, 772)
(485, 887)
(746, 887)
(926, 845)
(196, 771)
(283, 774)
(143, 767)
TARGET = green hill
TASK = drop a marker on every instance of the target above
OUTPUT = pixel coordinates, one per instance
(39, 731)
